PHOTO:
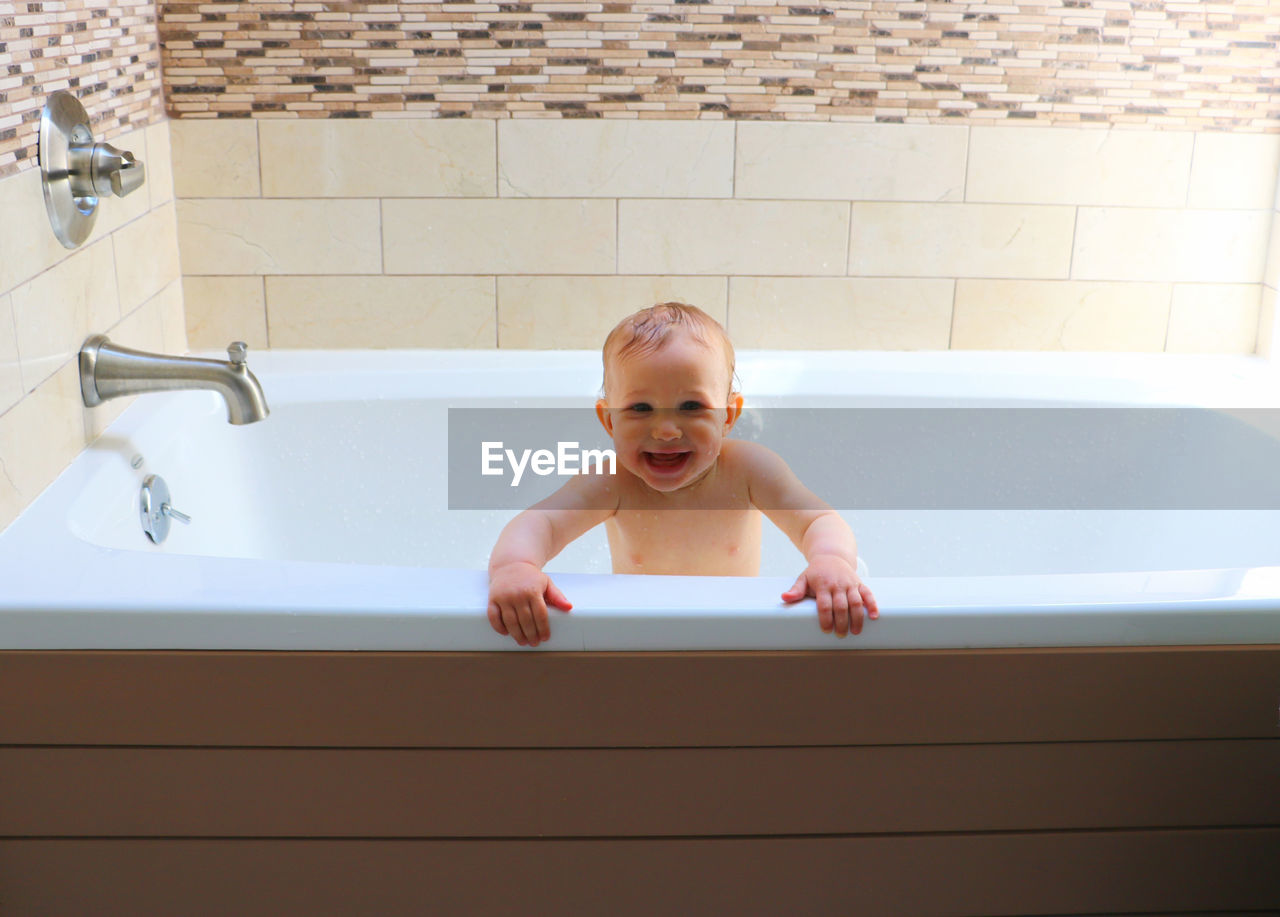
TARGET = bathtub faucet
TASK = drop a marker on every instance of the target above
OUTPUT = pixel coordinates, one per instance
(109, 371)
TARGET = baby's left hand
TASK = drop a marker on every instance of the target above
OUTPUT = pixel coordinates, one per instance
(841, 595)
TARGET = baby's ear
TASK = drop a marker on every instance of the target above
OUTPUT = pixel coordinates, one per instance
(606, 419)
(733, 410)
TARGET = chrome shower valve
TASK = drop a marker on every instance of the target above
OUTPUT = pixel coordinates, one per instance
(76, 170)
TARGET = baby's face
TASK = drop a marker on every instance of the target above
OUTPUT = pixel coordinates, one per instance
(669, 411)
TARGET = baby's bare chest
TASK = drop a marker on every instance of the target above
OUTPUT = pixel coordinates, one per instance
(711, 542)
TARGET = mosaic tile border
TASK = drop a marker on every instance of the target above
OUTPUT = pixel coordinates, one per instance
(109, 56)
(1150, 63)
(1180, 65)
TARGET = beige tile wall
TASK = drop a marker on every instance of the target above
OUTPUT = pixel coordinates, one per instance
(124, 281)
(1269, 313)
(540, 234)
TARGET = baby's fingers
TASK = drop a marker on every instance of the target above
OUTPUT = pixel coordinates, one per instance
(840, 614)
(533, 620)
(858, 611)
(540, 622)
(557, 598)
(511, 619)
(869, 600)
(798, 589)
(825, 611)
(495, 618)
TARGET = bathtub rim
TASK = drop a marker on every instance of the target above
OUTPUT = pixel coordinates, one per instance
(123, 600)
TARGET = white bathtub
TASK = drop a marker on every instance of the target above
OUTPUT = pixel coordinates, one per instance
(326, 527)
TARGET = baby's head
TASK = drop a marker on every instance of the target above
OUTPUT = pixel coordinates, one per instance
(668, 400)
(650, 330)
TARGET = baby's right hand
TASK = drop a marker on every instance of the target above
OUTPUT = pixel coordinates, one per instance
(518, 597)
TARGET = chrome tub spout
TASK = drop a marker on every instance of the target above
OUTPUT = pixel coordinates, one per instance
(110, 371)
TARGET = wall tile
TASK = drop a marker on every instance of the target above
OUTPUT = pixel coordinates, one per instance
(159, 163)
(169, 303)
(1214, 318)
(11, 501)
(498, 236)
(1271, 274)
(141, 329)
(853, 162)
(39, 436)
(374, 158)
(732, 237)
(960, 240)
(1267, 317)
(51, 298)
(1234, 170)
(162, 316)
(1063, 165)
(220, 310)
(840, 312)
(547, 313)
(11, 388)
(146, 253)
(26, 237)
(1198, 246)
(56, 311)
(215, 158)
(1061, 315)
(380, 312)
(615, 158)
(279, 236)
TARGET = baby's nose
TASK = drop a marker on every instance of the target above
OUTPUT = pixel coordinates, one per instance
(665, 428)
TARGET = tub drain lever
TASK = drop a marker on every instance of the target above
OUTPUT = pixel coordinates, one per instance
(156, 510)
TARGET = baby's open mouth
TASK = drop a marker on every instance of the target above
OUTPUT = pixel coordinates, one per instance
(666, 461)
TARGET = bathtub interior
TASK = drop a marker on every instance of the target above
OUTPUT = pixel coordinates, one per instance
(363, 481)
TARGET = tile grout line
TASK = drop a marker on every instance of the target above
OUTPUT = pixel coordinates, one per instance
(257, 149)
(17, 349)
(1168, 321)
(848, 241)
(266, 312)
(497, 161)
(951, 327)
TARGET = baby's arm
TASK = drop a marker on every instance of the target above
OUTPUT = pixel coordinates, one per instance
(823, 537)
(518, 589)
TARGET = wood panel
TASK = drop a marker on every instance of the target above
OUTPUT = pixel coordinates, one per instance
(101, 792)
(637, 699)
(1161, 872)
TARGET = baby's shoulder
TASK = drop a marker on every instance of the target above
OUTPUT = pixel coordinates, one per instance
(768, 478)
(749, 457)
(593, 493)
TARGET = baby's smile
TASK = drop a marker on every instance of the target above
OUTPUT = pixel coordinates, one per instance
(667, 461)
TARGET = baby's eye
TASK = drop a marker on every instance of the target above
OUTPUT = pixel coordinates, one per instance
(640, 407)
(689, 406)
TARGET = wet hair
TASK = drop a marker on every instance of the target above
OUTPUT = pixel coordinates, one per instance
(647, 331)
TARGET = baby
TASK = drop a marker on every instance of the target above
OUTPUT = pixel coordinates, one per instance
(685, 499)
